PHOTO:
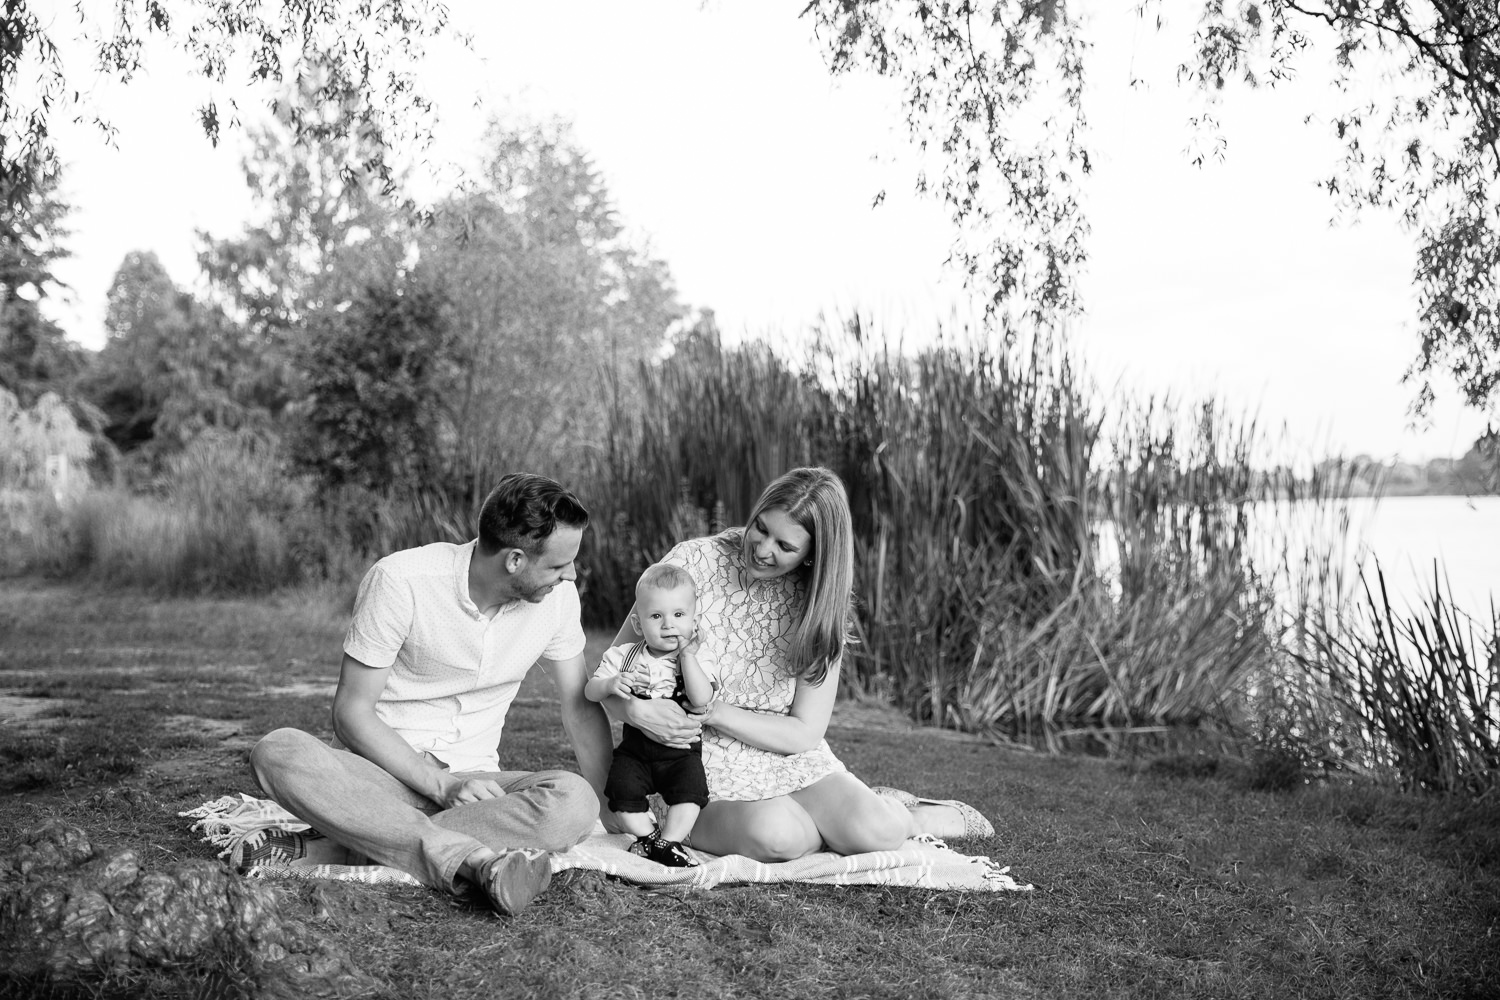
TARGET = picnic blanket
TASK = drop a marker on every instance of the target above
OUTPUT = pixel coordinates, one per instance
(238, 823)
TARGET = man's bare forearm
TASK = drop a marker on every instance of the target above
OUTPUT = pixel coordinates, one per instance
(378, 743)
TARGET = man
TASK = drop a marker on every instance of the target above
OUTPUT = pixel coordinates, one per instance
(442, 636)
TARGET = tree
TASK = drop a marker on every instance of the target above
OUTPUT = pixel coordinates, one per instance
(362, 53)
(377, 373)
(993, 93)
(548, 299)
(318, 223)
(320, 237)
(173, 366)
(131, 377)
(35, 355)
(537, 294)
(1482, 460)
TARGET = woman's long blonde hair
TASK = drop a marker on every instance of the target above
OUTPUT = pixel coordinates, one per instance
(815, 500)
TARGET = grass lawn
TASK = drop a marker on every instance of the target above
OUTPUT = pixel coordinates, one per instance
(1153, 878)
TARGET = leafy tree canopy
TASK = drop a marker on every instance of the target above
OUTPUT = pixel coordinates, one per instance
(360, 53)
(173, 366)
(496, 318)
(993, 91)
(315, 230)
(376, 374)
(549, 299)
(35, 355)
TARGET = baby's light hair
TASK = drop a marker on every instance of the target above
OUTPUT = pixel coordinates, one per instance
(664, 576)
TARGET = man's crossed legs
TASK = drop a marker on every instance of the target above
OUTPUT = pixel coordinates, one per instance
(365, 813)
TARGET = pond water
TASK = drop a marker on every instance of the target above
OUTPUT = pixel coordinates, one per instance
(1458, 537)
(1419, 541)
(1410, 538)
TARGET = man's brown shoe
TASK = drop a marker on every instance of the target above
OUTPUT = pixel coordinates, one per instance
(514, 878)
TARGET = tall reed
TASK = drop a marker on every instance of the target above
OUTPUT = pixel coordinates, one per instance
(1170, 627)
(1422, 686)
(714, 426)
(969, 474)
(976, 495)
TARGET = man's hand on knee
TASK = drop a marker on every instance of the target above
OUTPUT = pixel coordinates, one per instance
(465, 790)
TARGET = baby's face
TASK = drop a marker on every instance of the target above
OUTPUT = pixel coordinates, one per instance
(665, 618)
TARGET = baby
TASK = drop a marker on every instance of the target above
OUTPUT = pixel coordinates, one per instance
(666, 663)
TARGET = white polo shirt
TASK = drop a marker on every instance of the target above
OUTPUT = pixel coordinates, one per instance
(454, 670)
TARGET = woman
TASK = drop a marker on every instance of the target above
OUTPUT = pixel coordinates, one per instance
(774, 606)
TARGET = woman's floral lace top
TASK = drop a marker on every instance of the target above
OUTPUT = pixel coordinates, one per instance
(746, 624)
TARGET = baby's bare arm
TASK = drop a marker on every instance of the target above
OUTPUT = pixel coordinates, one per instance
(599, 688)
(695, 683)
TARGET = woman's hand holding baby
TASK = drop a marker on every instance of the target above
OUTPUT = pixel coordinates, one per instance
(664, 721)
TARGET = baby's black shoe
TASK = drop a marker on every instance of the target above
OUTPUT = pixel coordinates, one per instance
(652, 847)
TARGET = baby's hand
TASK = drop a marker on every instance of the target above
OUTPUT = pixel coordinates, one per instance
(622, 687)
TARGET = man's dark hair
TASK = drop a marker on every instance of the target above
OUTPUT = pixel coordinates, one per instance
(523, 511)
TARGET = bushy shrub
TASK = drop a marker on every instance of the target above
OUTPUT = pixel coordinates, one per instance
(43, 466)
(31, 532)
(30, 437)
(227, 518)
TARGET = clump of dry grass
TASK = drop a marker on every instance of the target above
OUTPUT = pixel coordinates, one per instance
(225, 517)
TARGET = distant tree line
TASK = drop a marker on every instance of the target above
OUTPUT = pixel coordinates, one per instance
(1475, 473)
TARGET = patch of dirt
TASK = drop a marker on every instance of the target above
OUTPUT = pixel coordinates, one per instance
(196, 725)
(22, 710)
(879, 717)
(849, 713)
(129, 652)
(303, 689)
(229, 741)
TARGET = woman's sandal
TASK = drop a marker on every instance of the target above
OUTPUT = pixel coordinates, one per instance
(975, 825)
(905, 798)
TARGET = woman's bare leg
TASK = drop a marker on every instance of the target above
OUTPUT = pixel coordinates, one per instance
(770, 830)
(852, 819)
(839, 812)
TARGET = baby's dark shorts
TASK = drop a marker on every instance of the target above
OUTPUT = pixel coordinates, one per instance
(641, 766)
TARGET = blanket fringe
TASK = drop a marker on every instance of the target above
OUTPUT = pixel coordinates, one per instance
(237, 823)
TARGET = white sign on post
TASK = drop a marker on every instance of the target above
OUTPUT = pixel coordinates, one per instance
(58, 469)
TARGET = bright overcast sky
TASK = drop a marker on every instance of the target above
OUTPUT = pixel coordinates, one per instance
(727, 146)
